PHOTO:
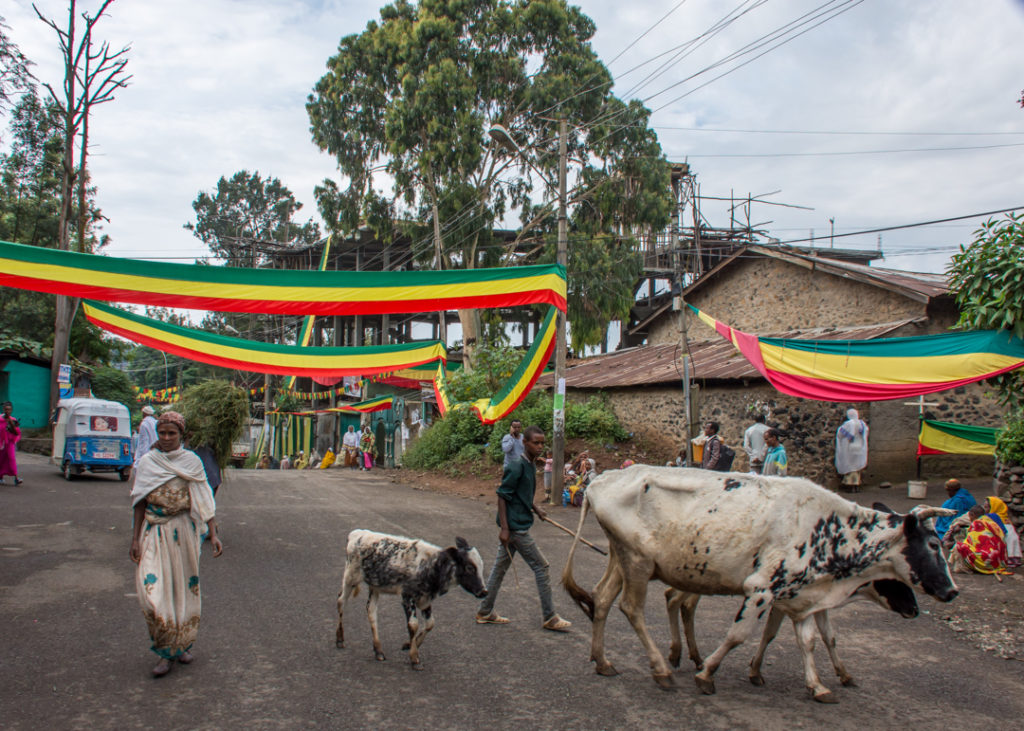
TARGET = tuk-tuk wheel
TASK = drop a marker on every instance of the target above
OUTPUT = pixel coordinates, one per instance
(69, 472)
(123, 473)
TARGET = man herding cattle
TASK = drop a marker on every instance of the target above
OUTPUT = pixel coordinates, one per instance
(778, 542)
(515, 516)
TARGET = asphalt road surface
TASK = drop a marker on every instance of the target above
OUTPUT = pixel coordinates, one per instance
(75, 648)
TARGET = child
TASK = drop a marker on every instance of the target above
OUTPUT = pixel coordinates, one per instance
(548, 469)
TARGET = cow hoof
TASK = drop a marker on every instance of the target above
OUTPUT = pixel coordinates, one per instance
(705, 685)
(698, 665)
(674, 660)
(757, 680)
(340, 644)
(826, 697)
(379, 656)
(665, 682)
(417, 666)
(607, 671)
(848, 682)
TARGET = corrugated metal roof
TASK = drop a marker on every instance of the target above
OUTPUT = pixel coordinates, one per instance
(714, 359)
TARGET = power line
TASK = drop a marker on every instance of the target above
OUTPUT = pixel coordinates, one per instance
(856, 152)
(836, 132)
(905, 225)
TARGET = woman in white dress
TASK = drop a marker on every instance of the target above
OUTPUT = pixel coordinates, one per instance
(851, 448)
(173, 511)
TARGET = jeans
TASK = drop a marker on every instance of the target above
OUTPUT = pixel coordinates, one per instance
(522, 542)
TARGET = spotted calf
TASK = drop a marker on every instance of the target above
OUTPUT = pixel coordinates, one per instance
(417, 570)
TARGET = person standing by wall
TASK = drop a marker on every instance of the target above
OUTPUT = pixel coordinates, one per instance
(10, 435)
(754, 444)
(775, 460)
(147, 433)
(712, 447)
(851, 449)
(515, 517)
(512, 443)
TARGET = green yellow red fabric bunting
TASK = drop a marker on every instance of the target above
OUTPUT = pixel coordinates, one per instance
(946, 437)
(246, 355)
(516, 387)
(382, 403)
(875, 370)
(276, 291)
(306, 331)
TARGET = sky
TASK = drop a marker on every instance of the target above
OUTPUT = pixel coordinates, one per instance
(220, 85)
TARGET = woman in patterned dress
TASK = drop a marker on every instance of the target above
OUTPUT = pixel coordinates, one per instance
(173, 510)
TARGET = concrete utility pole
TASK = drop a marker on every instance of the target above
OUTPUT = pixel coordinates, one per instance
(558, 420)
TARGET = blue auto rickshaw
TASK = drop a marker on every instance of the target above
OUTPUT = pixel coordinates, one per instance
(92, 434)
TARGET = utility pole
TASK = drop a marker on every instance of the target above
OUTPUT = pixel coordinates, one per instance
(558, 420)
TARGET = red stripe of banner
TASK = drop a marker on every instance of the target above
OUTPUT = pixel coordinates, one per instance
(225, 304)
(825, 390)
(922, 450)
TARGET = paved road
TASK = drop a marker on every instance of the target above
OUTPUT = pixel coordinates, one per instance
(75, 646)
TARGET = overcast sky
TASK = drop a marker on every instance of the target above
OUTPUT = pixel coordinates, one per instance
(220, 85)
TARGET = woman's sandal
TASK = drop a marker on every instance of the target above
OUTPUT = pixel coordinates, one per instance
(186, 657)
(162, 668)
(492, 618)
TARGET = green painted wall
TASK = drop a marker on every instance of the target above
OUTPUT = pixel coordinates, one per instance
(27, 387)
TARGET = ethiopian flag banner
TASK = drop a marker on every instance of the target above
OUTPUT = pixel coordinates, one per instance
(306, 331)
(247, 355)
(945, 437)
(516, 386)
(875, 370)
(276, 291)
(381, 403)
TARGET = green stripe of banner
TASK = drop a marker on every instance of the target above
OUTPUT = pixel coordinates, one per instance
(980, 434)
(959, 343)
(277, 278)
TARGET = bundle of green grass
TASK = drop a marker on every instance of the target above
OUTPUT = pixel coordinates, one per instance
(215, 413)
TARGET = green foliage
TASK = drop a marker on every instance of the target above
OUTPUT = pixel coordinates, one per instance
(215, 413)
(413, 97)
(14, 68)
(987, 278)
(248, 209)
(113, 385)
(1010, 442)
(492, 366)
(441, 445)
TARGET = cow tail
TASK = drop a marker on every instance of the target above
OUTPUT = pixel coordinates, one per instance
(579, 595)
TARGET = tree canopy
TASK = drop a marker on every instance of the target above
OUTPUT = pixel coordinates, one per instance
(987, 278)
(414, 95)
(246, 215)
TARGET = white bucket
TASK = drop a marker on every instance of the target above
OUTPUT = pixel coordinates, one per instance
(917, 489)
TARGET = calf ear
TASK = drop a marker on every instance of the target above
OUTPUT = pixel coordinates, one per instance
(883, 508)
(460, 542)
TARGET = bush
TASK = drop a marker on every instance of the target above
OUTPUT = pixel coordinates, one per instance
(445, 440)
(113, 385)
(215, 413)
(1010, 442)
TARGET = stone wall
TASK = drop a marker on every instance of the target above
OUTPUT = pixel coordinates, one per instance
(656, 415)
(1009, 485)
(768, 295)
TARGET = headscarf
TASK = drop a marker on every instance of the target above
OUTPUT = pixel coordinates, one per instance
(997, 508)
(172, 417)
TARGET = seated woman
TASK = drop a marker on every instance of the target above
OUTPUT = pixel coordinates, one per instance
(958, 532)
(328, 459)
(983, 549)
(997, 509)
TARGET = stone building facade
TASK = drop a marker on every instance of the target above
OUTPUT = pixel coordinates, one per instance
(766, 290)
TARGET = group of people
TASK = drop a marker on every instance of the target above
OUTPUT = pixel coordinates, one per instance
(358, 448)
(980, 537)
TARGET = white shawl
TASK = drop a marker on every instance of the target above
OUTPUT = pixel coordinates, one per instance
(156, 468)
(851, 444)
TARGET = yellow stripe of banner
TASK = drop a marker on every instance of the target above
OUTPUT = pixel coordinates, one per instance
(940, 440)
(882, 370)
(370, 363)
(59, 273)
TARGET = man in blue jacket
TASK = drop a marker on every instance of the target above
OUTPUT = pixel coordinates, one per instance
(959, 500)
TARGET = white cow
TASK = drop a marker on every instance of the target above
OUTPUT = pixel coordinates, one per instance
(777, 541)
(417, 570)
